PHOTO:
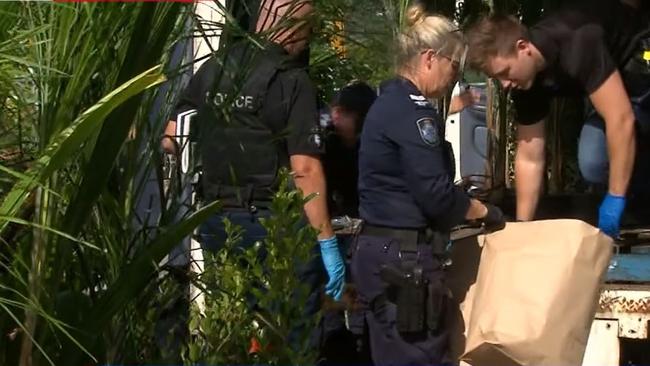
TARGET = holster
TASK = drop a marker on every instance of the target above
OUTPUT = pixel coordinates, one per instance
(419, 302)
(437, 294)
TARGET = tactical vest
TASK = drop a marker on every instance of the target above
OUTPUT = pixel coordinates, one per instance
(241, 154)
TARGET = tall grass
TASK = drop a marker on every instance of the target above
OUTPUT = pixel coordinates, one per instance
(76, 256)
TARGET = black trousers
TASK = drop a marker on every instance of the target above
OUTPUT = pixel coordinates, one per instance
(387, 345)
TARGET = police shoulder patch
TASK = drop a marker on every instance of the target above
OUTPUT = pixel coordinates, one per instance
(429, 131)
(316, 137)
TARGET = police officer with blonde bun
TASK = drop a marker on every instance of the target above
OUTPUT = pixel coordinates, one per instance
(408, 201)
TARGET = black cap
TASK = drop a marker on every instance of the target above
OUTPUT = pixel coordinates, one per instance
(355, 97)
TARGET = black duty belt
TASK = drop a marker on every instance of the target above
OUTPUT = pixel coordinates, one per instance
(244, 197)
(409, 238)
(418, 236)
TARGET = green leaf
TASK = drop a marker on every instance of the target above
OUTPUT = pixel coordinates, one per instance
(26, 331)
(48, 229)
(67, 143)
(136, 275)
(28, 63)
(19, 175)
(29, 304)
(112, 135)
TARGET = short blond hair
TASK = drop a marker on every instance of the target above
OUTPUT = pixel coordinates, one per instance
(423, 31)
(493, 35)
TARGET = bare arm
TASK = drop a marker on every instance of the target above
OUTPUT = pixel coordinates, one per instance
(168, 143)
(310, 178)
(463, 100)
(612, 102)
(529, 168)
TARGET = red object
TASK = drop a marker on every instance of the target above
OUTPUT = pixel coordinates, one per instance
(255, 346)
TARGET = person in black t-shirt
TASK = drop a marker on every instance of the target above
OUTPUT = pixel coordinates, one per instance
(342, 123)
(596, 48)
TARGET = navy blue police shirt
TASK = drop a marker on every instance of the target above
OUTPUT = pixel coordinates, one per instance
(405, 177)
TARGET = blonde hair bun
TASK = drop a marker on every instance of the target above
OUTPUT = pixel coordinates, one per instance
(423, 30)
(415, 13)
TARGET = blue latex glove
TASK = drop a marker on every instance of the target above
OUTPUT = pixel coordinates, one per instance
(334, 266)
(609, 214)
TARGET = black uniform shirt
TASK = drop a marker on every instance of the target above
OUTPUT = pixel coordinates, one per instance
(290, 104)
(341, 171)
(582, 45)
(404, 168)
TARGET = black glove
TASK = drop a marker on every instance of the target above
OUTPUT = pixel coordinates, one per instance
(494, 219)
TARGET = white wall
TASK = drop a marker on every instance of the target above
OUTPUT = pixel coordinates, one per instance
(210, 15)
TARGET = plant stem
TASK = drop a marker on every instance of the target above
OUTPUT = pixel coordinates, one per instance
(37, 255)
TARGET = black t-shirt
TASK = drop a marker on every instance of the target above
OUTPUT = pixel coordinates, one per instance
(341, 171)
(290, 104)
(582, 44)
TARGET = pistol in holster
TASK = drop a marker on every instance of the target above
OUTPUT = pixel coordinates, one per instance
(419, 301)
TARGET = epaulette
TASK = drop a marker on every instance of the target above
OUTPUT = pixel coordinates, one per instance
(420, 101)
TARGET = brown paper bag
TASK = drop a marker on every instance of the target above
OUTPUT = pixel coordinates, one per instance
(535, 294)
(461, 278)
